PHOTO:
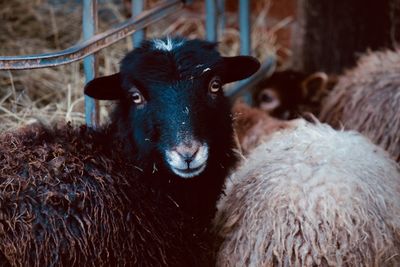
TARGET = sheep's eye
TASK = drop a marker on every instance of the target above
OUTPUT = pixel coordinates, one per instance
(266, 98)
(268, 95)
(137, 98)
(215, 85)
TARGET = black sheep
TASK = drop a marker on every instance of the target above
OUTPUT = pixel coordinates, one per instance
(139, 191)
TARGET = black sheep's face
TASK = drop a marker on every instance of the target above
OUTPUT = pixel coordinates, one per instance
(178, 120)
(172, 104)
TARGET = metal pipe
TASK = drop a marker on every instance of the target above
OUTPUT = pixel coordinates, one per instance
(92, 45)
(245, 38)
(89, 26)
(244, 24)
(266, 69)
(211, 20)
(221, 20)
(137, 9)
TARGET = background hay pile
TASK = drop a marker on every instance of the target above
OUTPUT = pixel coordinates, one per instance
(56, 94)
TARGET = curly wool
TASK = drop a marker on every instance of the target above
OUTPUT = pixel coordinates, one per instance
(66, 199)
(312, 196)
(367, 99)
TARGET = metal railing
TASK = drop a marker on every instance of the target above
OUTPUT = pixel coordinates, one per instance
(93, 42)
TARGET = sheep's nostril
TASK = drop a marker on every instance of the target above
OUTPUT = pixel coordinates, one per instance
(188, 160)
(188, 151)
(188, 156)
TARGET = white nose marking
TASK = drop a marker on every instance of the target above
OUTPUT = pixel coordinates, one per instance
(188, 159)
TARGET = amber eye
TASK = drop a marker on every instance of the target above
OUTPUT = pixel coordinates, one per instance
(215, 85)
(137, 97)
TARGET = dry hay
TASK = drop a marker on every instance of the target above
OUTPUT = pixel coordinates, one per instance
(367, 99)
(55, 94)
(52, 94)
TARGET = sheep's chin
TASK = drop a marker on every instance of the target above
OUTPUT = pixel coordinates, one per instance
(189, 173)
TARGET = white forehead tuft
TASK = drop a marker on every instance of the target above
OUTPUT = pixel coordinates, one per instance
(166, 44)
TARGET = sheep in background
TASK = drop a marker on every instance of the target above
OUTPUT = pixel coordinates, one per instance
(140, 191)
(289, 94)
(253, 126)
(312, 196)
(367, 99)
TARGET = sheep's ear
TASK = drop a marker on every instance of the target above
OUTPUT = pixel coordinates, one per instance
(238, 68)
(105, 88)
(314, 85)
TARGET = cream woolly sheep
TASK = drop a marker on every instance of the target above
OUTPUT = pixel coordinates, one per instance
(312, 196)
(367, 99)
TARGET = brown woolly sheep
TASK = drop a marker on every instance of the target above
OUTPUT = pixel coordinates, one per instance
(367, 99)
(312, 196)
(57, 186)
(252, 126)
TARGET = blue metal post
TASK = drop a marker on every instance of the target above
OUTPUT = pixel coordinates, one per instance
(89, 25)
(221, 16)
(137, 8)
(245, 37)
(211, 20)
(244, 24)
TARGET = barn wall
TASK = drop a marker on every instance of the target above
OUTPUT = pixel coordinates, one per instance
(330, 35)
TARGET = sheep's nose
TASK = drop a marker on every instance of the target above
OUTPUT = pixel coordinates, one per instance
(188, 159)
(188, 150)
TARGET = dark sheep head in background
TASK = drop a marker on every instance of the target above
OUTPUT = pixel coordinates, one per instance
(289, 94)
